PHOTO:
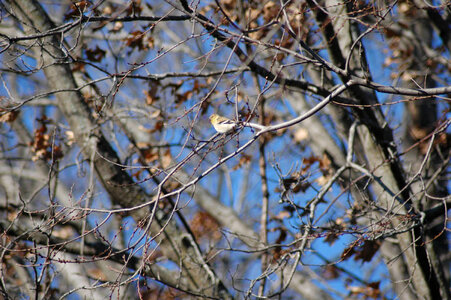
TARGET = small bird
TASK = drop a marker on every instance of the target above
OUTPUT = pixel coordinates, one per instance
(222, 124)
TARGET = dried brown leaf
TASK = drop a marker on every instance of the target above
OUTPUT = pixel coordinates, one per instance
(166, 159)
(330, 272)
(205, 225)
(95, 55)
(244, 160)
(9, 117)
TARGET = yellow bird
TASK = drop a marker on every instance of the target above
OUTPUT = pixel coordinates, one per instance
(222, 124)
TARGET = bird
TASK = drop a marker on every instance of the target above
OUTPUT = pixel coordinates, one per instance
(222, 124)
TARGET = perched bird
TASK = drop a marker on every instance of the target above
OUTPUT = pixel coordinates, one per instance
(221, 124)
